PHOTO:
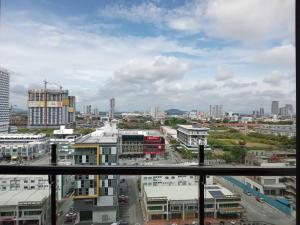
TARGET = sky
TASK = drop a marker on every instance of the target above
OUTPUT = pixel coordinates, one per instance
(170, 54)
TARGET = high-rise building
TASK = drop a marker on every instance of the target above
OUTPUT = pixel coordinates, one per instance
(112, 108)
(289, 109)
(96, 196)
(261, 112)
(275, 108)
(4, 100)
(216, 111)
(50, 108)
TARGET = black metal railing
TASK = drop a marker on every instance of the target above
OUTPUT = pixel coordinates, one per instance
(197, 170)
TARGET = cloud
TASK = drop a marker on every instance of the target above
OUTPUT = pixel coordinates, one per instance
(275, 78)
(246, 21)
(239, 84)
(223, 74)
(251, 20)
(283, 55)
(185, 24)
(19, 89)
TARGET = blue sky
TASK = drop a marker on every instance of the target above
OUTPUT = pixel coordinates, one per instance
(173, 54)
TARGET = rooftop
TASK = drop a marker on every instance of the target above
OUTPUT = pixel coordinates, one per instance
(140, 132)
(12, 198)
(193, 127)
(185, 192)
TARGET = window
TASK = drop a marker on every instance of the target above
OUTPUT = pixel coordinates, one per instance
(152, 208)
(32, 213)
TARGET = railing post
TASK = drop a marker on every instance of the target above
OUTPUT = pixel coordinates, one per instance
(53, 184)
(201, 187)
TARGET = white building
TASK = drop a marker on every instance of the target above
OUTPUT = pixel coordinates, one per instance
(27, 146)
(191, 135)
(25, 207)
(4, 100)
(180, 202)
(23, 182)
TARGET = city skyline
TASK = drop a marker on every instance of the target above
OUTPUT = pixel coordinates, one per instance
(149, 53)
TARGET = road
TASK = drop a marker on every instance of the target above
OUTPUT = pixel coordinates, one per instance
(131, 212)
(256, 211)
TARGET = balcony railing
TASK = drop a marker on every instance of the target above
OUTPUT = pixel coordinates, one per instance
(197, 170)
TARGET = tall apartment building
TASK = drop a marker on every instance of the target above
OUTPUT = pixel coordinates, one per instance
(50, 108)
(261, 112)
(216, 111)
(112, 104)
(96, 196)
(4, 100)
(275, 108)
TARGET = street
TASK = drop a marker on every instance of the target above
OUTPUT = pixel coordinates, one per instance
(256, 211)
(131, 211)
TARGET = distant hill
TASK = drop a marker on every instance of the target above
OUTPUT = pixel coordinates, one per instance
(175, 112)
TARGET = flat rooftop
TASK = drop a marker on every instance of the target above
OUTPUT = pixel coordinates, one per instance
(12, 198)
(185, 192)
(140, 132)
(193, 127)
(10, 177)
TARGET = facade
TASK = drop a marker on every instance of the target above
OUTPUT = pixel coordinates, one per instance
(157, 115)
(25, 207)
(261, 112)
(95, 196)
(50, 108)
(4, 100)
(283, 130)
(24, 182)
(216, 111)
(149, 143)
(181, 202)
(275, 108)
(191, 135)
(112, 104)
(23, 146)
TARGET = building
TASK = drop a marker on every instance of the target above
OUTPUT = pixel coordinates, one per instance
(261, 157)
(23, 146)
(261, 112)
(157, 114)
(283, 130)
(275, 108)
(95, 196)
(25, 207)
(4, 100)
(168, 132)
(23, 182)
(286, 111)
(216, 111)
(165, 202)
(191, 135)
(174, 180)
(50, 108)
(112, 104)
(141, 143)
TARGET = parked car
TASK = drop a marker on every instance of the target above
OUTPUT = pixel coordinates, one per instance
(59, 213)
(247, 193)
(70, 216)
(259, 199)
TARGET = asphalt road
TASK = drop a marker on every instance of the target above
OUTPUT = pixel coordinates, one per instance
(131, 212)
(256, 211)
